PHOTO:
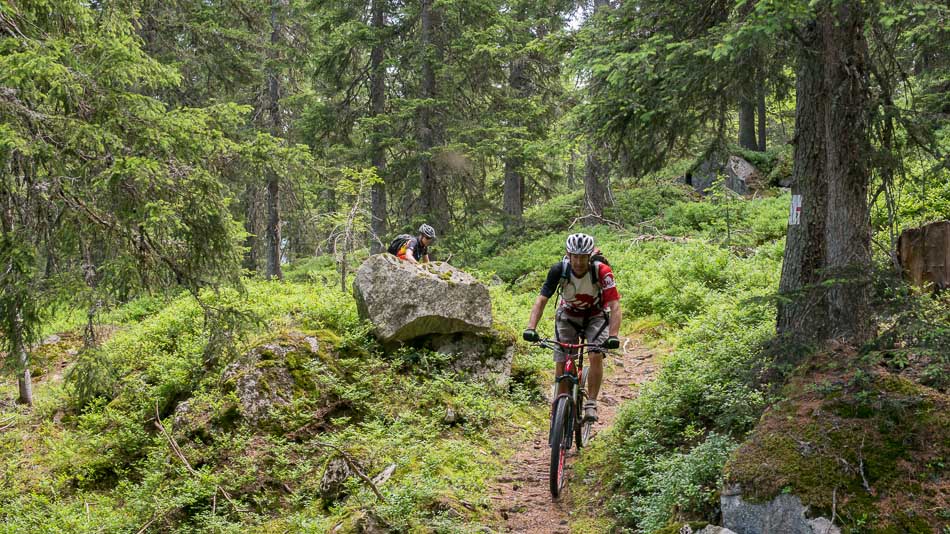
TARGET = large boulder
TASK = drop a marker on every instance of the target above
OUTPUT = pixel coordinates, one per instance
(738, 174)
(270, 376)
(405, 301)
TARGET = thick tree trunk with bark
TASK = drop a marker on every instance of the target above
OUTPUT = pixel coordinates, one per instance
(747, 123)
(377, 98)
(433, 200)
(273, 181)
(827, 255)
(514, 178)
(597, 193)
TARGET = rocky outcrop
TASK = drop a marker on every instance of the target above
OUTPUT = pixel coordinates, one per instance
(708, 529)
(477, 355)
(739, 175)
(333, 483)
(268, 377)
(785, 514)
(405, 301)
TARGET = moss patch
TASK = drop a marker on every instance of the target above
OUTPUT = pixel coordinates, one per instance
(859, 441)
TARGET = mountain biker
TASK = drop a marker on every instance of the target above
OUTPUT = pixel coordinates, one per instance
(587, 290)
(417, 248)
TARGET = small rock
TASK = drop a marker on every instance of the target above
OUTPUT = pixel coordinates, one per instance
(450, 417)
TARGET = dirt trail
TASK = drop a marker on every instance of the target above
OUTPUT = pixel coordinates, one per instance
(521, 495)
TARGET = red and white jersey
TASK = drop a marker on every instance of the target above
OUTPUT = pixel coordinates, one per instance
(582, 295)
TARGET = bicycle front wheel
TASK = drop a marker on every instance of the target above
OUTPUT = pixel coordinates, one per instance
(581, 427)
(560, 443)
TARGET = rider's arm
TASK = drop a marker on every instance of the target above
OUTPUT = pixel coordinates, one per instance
(410, 253)
(547, 291)
(613, 328)
(536, 311)
(425, 259)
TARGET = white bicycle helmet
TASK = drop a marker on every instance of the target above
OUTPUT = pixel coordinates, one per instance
(427, 231)
(580, 244)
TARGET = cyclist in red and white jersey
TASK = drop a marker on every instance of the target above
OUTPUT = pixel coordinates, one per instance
(587, 291)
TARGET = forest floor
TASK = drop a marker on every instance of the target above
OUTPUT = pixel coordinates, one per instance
(521, 496)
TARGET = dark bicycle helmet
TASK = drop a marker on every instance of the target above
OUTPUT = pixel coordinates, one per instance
(427, 231)
(580, 244)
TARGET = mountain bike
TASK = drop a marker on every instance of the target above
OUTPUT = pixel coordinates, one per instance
(567, 418)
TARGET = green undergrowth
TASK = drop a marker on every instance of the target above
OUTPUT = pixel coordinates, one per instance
(704, 295)
(91, 457)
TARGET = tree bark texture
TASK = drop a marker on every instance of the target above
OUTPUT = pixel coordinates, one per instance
(827, 255)
(433, 200)
(597, 193)
(251, 242)
(747, 123)
(571, 170)
(24, 380)
(760, 113)
(377, 99)
(514, 177)
(273, 181)
(16, 336)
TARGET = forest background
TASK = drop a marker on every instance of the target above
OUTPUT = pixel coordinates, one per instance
(149, 148)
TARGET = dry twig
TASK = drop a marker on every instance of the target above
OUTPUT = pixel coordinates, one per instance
(354, 466)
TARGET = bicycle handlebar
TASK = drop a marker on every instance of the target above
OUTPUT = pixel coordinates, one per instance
(554, 344)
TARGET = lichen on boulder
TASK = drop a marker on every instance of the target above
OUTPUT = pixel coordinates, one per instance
(271, 375)
(404, 301)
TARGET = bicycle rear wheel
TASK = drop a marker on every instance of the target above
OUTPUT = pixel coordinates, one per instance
(560, 443)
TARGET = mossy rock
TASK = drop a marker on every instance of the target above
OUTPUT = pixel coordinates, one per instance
(289, 367)
(862, 449)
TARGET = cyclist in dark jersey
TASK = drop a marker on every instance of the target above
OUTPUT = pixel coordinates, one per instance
(417, 248)
(585, 297)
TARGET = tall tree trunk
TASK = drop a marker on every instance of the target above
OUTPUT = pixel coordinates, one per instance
(747, 123)
(827, 255)
(514, 178)
(251, 260)
(571, 170)
(92, 281)
(273, 180)
(597, 193)
(760, 97)
(433, 201)
(17, 343)
(378, 107)
(24, 381)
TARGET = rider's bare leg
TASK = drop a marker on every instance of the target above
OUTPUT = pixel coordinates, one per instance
(595, 374)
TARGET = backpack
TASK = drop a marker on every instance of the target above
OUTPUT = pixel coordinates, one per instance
(397, 243)
(598, 256)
